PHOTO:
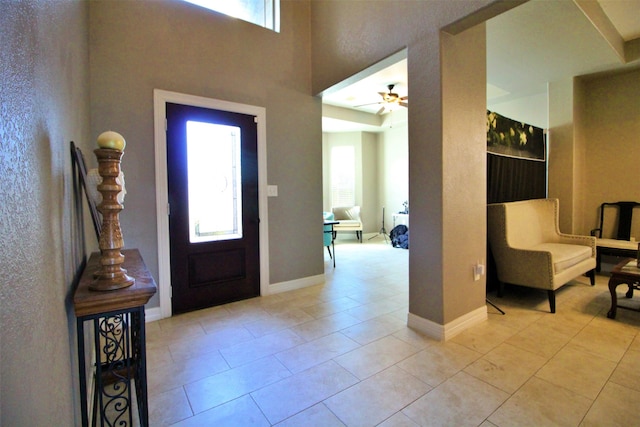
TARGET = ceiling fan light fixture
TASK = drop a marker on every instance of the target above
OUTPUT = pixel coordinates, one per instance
(389, 100)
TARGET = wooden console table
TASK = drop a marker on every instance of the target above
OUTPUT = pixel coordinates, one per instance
(118, 329)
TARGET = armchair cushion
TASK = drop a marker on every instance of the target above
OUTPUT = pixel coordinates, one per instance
(564, 256)
(618, 244)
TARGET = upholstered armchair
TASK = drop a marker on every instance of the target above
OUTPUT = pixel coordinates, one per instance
(529, 249)
(349, 218)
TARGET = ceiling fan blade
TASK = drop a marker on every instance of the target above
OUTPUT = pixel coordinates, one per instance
(388, 98)
(365, 105)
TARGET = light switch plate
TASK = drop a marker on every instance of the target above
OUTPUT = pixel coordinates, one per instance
(272, 191)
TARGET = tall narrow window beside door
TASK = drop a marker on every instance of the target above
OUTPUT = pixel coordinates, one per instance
(265, 13)
(343, 176)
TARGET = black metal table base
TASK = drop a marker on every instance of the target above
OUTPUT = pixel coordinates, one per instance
(119, 346)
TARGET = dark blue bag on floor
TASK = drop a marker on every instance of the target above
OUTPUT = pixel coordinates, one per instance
(400, 236)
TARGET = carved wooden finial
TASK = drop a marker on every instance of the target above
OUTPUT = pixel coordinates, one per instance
(110, 275)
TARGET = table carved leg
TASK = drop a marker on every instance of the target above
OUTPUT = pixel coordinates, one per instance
(614, 282)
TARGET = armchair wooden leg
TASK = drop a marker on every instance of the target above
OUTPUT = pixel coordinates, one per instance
(592, 277)
(552, 300)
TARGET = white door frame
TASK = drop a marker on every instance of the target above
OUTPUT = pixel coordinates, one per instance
(160, 98)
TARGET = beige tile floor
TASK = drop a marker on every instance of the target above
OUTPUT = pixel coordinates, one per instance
(341, 354)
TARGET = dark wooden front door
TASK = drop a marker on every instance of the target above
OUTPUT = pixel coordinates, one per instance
(212, 170)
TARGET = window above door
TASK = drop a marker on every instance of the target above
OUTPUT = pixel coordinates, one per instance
(265, 13)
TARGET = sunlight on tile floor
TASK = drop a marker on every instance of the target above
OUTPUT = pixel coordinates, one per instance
(340, 354)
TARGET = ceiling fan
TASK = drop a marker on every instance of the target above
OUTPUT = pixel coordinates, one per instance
(389, 100)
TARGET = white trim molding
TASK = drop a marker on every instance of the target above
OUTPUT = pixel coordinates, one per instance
(451, 329)
(152, 314)
(160, 98)
(292, 285)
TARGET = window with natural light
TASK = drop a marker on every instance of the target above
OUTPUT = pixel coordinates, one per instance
(265, 13)
(343, 176)
(215, 190)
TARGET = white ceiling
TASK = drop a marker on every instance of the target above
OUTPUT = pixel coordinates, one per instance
(529, 46)
(624, 15)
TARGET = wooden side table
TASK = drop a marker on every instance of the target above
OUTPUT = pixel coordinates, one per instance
(117, 324)
(626, 272)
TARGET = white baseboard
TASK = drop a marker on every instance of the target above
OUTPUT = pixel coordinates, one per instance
(152, 314)
(276, 288)
(451, 329)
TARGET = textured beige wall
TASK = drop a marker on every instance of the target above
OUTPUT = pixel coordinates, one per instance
(610, 130)
(577, 162)
(393, 158)
(355, 36)
(44, 92)
(464, 170)
(372, 215)
(561, 151)
(138, 46)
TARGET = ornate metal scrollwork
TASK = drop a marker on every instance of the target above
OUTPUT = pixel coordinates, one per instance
(115, 368)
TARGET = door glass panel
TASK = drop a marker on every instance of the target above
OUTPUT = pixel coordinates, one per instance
(213, 158)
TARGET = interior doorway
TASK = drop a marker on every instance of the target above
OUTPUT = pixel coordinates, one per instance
(364, 115)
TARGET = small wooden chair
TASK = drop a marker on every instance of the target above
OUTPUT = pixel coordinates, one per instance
(616, 219)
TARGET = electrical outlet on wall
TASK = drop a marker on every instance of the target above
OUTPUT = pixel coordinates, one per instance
(478, 270)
